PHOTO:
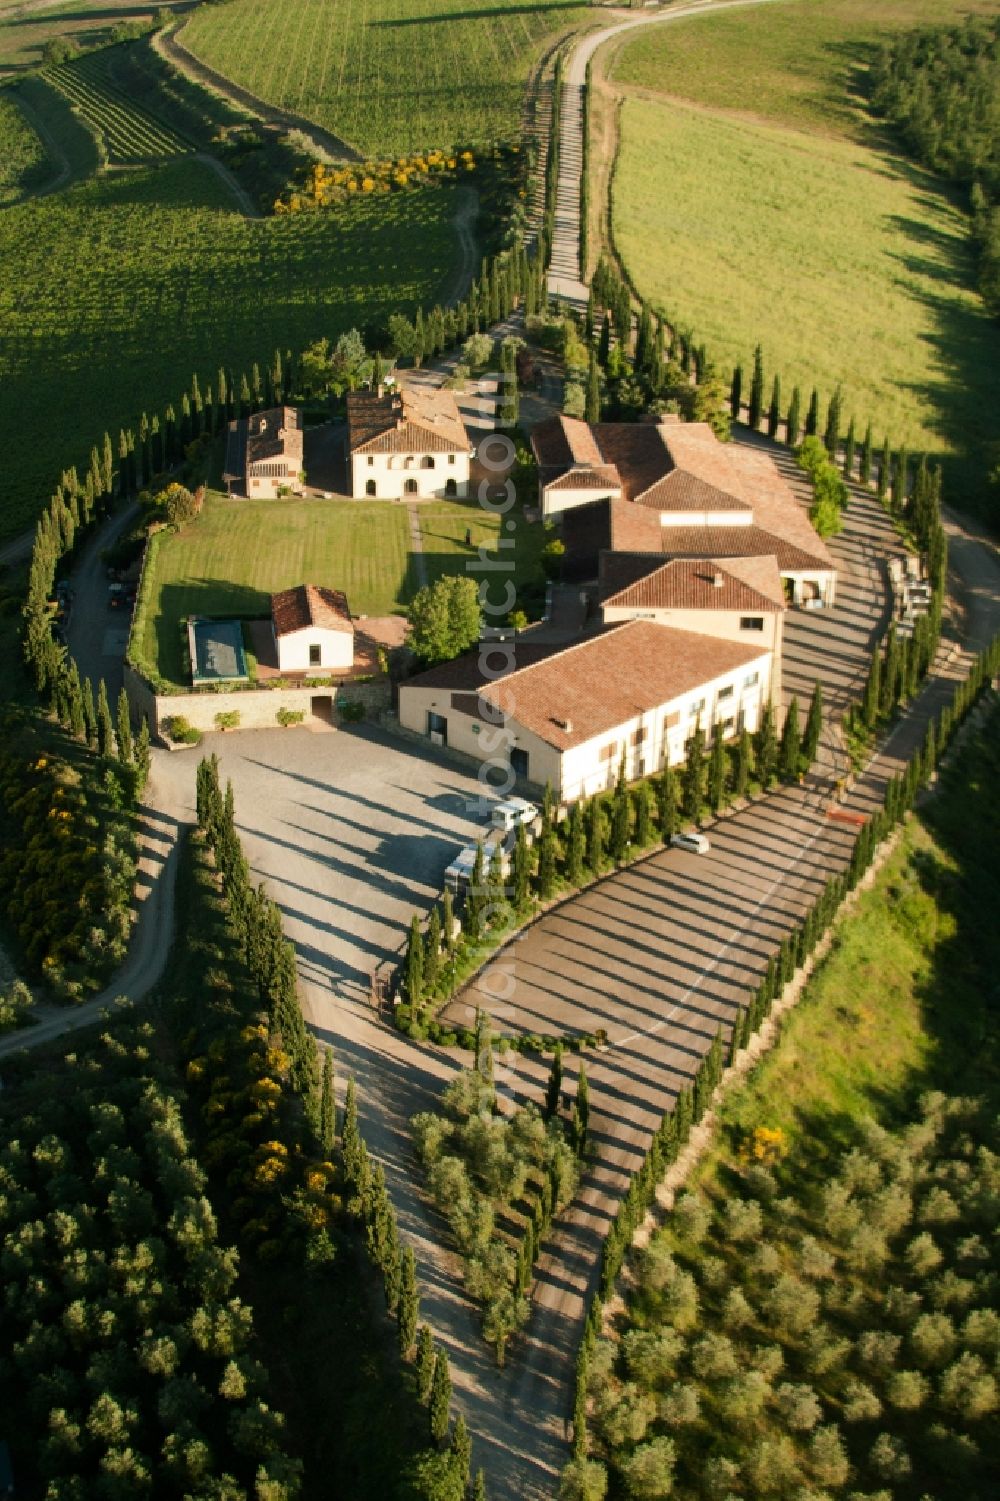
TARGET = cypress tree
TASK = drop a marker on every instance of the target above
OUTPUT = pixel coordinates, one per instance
(735, 1036)
(790, 749)
(592, 411)
(74, 694)
(547, 865)
(794, 421)
(756, 410)
(432, 951)
(694, 773)
(424, 1365)
(553, 1090)
(461, 1448)
(595, 835)
(415, 963)
(883, 469)
(408, 1307)
(589, 323)
(143, 755)
(123, 729)
(849, 446)
(812, 415)
(440, 1404)
(479, 1486)
(448, 921)
(640, 804)
(871, 702)
(581, 1111)
(717, 770)
(327, 1107)
(604, 343)
(576, 844)
(619, 817)
(475, 898)
(743, 764)
(521, 869)
(766, 747)
(900, 481)
(774, 410)
(867, 452)
(736, 394)
(105, 729)
(666, 802)
(891, 674)
(814, 725)
(831, 437)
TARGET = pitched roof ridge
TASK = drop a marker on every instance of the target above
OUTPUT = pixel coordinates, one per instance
(566, 651)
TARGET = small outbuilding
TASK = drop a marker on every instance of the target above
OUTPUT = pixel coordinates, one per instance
(313, 630)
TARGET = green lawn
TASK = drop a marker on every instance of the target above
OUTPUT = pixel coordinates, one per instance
(847, 264)
(800, 63)
(239, 552)
(443, 527)
(391, 76)
(115, 290)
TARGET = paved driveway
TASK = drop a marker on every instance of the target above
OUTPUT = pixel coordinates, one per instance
(351, 830)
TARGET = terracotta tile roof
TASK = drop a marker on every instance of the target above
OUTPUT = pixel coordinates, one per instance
(776, 508)
(589, 529)
(743, 542)
(619, 570)
(414, 419)
(633, 529)
(695, 584)
(295, 609)
(273, 434)
(681, 491)
(761, 573)
(561, 441)
(601, 477)
(463, 674)
(577, 692)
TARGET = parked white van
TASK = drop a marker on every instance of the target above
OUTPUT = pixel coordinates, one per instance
(697, 843)
(459, 873)
(512, 812)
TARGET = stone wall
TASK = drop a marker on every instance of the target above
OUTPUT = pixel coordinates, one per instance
(257, 707)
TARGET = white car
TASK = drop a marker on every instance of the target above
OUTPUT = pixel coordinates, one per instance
(697, 843)
(512, 812)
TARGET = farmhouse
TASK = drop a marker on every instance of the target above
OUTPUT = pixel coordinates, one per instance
(313, 630)
(566, 715)
(672, 489)
(409, 442)
(264, 454)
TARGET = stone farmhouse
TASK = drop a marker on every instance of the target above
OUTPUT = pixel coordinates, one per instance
(566, 714)
(313, 630)
(669, 490)
(264, 454)
(407, 443)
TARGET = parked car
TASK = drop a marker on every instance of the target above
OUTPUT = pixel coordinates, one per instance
(459, 873)
(116, 596)
(697, 843)
(511, 812)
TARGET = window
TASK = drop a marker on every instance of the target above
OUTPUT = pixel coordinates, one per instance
(727, 726)
(608, 752)
(451, 458)
(751, 680)
(672, 720)
(639, 735)
(698, 707)
(370, 488)
(751, 622)
(519, 762)
(726, 692)
(315, 656)
(410, 488)
(371, 461)
(427, 462)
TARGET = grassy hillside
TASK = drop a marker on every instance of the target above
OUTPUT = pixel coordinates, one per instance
(24, 29)
(799, 63)
(389, 77)
(847, 265)
(116, 290)
(819, 1314)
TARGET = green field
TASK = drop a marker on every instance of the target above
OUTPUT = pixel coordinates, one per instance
(389, 77)
(800, 63)
(117, 289)
(443, 526)
(847, 264)
(24, 30)
(24, 165)
(128, 132)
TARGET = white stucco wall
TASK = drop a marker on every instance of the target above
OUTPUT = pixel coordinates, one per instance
(593, 765)
(336, 650)
(554, 501)
(390, 472)
(722, 624)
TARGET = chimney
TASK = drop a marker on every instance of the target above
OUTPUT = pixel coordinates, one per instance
(718, 580)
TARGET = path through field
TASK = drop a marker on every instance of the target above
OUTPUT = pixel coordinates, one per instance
(564, 270)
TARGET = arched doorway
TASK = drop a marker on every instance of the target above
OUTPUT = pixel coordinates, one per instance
(410, 487)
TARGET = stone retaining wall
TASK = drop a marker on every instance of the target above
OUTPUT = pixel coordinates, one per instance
(257, 708)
